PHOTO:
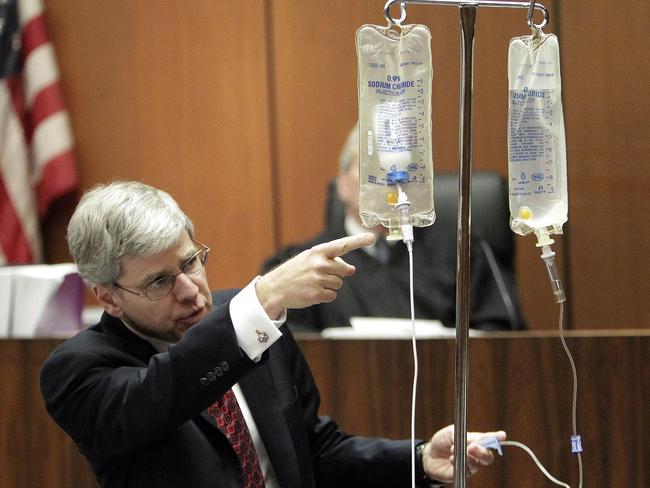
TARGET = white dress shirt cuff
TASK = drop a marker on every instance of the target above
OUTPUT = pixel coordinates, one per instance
(254, 329)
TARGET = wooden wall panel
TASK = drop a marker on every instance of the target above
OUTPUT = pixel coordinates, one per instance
(315, 73)
(34, 451)
(520, 382)
(605, 80)
(243, 120)
(171, 94)
(315, 79)
(606, 135)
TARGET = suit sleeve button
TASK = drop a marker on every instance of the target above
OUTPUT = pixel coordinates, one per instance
(204, 381)
(218, 371)
(225, 365)
(211, 376)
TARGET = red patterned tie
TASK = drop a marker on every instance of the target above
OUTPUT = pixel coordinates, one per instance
(229, 418)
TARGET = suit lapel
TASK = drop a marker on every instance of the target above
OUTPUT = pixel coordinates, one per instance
(267, 407)
(130, 342)
(266, 402)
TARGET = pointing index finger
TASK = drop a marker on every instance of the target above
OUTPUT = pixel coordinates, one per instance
(344, 245)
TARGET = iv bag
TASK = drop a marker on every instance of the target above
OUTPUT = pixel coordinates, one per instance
(394, 84)
(537, 171)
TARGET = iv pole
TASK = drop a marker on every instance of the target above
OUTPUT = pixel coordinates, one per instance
(468, 23)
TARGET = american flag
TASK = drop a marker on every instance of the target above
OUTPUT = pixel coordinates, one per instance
(36, 161)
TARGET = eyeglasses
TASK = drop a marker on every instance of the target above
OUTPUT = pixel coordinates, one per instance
(162, 286)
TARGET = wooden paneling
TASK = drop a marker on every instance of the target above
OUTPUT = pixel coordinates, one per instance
(315, 73)
(315, 95)
(605, 82)
(34, 451)
(239, 110)
(175, 95)
(520, 382)
(314, 70)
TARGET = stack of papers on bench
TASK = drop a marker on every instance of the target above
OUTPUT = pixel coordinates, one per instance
(391, 328)
(40, 300)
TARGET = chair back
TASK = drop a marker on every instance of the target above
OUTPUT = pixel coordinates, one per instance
(490, 212)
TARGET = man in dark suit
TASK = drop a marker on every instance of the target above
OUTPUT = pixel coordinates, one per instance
(380, 288)
(179, 387)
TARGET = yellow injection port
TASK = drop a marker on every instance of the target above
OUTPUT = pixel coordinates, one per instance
(391, 197)
(525, 213)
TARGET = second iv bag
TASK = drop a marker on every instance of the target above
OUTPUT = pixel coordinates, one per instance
(537, 171)
(395, 160)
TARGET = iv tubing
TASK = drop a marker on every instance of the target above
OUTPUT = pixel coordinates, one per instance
(539, 464)
(490, 441)
(556, 284)
(544, 241)
(575, 389)
(402, 209)
(415, 364)
(549, 260)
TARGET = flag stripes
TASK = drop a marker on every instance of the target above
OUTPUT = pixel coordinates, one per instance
(37, 164)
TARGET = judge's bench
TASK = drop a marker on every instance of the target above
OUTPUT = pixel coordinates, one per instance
(518, 381)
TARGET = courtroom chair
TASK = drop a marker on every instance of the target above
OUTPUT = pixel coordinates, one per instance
(490, 228)
(490, 213)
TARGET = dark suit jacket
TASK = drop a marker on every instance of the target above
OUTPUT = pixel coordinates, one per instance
(381, 289)
(137, 415)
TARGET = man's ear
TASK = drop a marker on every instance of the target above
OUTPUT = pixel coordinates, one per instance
(347, 187)
(105, 296)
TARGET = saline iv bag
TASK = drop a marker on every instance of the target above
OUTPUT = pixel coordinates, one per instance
(395, 162)
(536, 145)
(537, 171)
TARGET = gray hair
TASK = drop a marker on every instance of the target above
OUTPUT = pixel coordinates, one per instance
(350, 150)
(119, 219)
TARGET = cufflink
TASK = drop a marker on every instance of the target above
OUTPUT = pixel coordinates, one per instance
(262, 337)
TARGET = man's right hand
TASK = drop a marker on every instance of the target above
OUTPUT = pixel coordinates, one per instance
(311, 277)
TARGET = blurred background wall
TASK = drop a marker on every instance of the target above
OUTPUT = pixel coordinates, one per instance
(239, 110)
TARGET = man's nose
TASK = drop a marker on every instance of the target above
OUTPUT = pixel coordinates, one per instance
(184, 288)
